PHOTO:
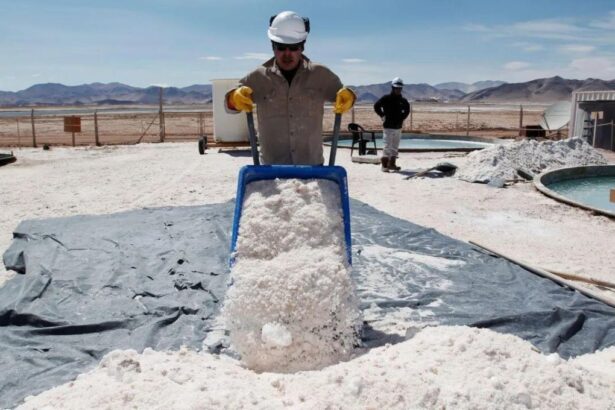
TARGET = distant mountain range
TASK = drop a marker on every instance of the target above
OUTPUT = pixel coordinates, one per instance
(540, 90)
(469, 88)
(104, 94)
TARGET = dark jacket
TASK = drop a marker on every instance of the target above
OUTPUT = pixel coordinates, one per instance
(394, 108)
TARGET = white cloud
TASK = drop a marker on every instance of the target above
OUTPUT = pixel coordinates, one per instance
(580, 68)
(163, 85)
(516, 65)
(596, 67)
(530, 47)
(552, 29)
(210, 58)
(353, 60)
(476, 27)
(550, 26)
(254, 56)
(608, 23)
(36, 75)
(577, 48)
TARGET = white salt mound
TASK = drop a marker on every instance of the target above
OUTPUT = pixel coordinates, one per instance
(440, 367)
(285, 215)
(502, 161)
(292, 305)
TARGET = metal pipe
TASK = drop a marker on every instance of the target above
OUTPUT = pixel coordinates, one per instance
(595, 125)
(549, 275)
(252, 137)
(336, 133)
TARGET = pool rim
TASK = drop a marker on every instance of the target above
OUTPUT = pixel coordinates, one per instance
(492, 141)
(563, 174)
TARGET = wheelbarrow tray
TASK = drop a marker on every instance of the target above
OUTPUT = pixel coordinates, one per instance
(251, 173)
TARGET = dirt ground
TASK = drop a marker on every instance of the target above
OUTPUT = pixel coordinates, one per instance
(124, 126)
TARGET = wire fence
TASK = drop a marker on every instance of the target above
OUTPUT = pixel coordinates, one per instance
(39, 127)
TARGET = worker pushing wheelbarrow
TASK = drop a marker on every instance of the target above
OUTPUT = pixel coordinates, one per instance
(289, 91)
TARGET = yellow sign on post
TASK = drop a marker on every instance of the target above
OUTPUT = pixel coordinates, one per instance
(72, 124)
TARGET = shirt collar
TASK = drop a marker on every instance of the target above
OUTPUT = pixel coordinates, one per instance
(271, 65)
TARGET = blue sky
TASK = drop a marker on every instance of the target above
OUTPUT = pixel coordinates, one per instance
(186, 42)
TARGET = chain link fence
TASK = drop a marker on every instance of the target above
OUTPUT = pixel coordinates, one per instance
(24, 128)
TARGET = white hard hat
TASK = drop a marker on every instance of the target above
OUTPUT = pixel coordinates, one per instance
(288, 27)
(397, 82)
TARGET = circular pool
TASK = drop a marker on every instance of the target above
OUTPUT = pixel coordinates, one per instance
(422, 142)
(586, 187)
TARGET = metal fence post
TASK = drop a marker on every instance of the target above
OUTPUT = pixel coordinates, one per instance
(18, 135)
(521, 120)
(33, 129)
(96, 129)
(468, 123)
(161, 121)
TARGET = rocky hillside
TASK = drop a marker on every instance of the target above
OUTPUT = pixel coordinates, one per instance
(540, 90)
(99, 93)
(468, 88)
(414, 92)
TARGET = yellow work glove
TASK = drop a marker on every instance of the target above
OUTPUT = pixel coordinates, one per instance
(344, 100)
(240, 99)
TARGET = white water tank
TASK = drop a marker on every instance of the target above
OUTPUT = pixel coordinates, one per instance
(227, 127)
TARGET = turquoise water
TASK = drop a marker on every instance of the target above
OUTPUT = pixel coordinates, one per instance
(422, 143)
(592, 191)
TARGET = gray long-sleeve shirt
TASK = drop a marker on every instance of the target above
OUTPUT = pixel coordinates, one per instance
(290, 117)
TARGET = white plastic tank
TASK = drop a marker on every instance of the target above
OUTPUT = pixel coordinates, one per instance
(227, 127)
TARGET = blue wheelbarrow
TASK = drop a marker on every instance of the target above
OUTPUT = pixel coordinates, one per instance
(257, 172)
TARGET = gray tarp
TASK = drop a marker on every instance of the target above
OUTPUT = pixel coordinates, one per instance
(157, 278)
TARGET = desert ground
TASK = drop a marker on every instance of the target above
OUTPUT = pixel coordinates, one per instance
(517, 220)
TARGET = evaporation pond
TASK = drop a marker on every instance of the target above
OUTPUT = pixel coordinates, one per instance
(591, 191)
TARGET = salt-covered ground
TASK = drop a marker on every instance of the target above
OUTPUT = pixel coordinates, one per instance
(517, 220)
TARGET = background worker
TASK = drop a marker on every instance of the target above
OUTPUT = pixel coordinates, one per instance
(290, 91)
(393, 108)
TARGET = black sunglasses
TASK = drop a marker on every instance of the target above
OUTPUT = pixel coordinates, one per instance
(284, 47)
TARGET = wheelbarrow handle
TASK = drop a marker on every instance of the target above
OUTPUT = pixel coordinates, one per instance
(252, 137)
(336, 133)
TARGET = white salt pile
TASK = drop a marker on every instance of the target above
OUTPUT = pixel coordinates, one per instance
(440, 367)
(502, 161)
(292, 305)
